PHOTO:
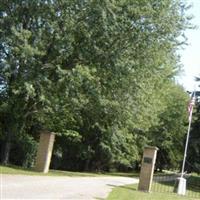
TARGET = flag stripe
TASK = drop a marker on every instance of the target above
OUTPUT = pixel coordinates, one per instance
(190, 107)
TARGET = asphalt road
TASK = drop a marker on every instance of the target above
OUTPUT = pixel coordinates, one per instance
(70, 188)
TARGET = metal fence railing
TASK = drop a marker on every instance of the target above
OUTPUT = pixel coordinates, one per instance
(168, 183)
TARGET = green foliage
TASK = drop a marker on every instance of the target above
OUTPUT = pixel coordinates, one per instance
(169, 134)
(97, 73)
(23, 152)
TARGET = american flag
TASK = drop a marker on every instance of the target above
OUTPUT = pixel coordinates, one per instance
(190, 106)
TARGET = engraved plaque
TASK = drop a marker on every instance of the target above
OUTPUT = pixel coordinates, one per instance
(147, 160)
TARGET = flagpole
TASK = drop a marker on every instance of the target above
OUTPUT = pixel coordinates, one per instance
(186, 144)
(182, 181)
(188, 134)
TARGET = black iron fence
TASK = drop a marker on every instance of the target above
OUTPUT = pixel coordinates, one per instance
(168, 183)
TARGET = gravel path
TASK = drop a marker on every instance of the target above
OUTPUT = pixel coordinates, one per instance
(70, 188)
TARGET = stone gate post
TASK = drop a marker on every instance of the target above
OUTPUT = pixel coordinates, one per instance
(147, 168)
(44, 152)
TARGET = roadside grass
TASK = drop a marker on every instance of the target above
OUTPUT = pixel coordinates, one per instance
(193, 183)
(11, 169)
(193, 186)
(128, 192)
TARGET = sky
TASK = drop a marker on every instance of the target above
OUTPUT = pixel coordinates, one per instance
(190, 55)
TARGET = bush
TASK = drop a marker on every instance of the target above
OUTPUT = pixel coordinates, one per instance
(23, 152)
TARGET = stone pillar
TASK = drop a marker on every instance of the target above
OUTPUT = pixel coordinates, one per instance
(44, 153)
(147, 168)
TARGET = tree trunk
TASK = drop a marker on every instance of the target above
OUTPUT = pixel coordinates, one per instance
(6, 148)
(86, 167)
(6, 153)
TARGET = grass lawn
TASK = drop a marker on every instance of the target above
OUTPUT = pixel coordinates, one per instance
(23, 171)
(129, 192)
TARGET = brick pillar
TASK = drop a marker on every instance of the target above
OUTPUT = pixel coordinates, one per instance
(147, 168)
(44, 153)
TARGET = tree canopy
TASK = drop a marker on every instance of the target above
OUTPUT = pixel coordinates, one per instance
(98, 73)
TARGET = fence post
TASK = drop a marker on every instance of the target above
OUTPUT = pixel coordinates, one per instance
(147, 168)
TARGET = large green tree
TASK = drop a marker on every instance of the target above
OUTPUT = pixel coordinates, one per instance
(92, 71)
(168, 135)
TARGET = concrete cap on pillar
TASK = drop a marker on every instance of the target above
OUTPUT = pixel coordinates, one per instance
(152, 147)
(47, 132)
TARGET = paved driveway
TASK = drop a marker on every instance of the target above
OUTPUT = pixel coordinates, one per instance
(46, 187)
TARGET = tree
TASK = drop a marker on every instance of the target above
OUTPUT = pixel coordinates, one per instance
(169, 134)
(92, 71)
